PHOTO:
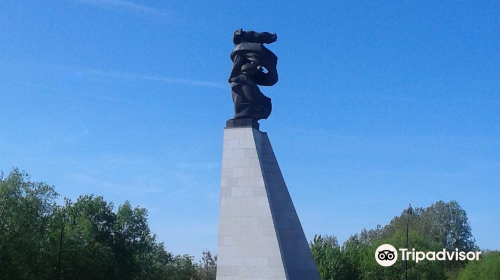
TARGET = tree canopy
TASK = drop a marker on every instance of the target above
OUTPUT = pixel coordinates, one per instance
(443, 225)
(85, 239)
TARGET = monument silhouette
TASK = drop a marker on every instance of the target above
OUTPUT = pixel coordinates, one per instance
(260, 235)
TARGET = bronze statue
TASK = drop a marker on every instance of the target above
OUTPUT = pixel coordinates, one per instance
(253, 64)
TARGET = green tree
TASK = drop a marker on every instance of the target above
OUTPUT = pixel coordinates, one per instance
(447, 223)
(27, 212)
(444, 223)
(85, 239)
(207, 268)
(328, 256)
(352, 251)
(101, 244)
(441, 225)
(181, 267)
(487, 268)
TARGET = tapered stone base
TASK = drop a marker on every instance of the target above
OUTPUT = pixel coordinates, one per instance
(260, 235)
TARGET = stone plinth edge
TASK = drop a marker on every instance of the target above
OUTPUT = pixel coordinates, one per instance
(232, 123)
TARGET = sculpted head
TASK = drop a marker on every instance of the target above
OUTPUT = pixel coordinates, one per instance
(241, 36)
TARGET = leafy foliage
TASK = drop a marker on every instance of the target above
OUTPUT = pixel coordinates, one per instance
(442, 225)
(85, 239)
(208, 266)
(326, 252)
(487, 268)
(27, 225)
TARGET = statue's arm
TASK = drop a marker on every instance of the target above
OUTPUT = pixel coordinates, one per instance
(266, 79)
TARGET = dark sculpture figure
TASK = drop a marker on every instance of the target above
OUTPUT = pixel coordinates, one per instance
(253, 64)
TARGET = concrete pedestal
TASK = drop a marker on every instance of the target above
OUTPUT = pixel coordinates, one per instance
(260, 236)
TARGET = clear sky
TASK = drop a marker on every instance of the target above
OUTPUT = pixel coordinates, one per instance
(379, 104)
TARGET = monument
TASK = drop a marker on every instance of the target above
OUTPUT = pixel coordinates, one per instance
(260, 235)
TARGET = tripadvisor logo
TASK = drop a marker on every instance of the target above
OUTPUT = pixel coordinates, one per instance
(387, 255)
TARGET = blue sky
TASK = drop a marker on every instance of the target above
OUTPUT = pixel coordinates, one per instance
(379, 104)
